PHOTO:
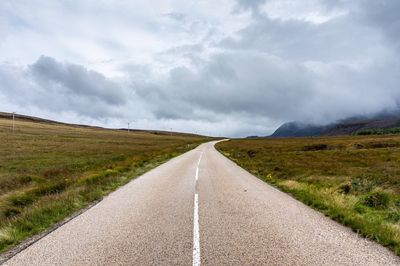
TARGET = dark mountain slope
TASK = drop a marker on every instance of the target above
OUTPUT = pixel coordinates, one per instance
(342, 127)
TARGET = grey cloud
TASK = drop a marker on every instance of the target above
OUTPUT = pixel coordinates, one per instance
(175, 15)
(190, 53)
(351, 69)
(76, 79)
(383, 15)
(250, 5)
(61, 87)
(318, 80)
(303, 41)
(185, 49)
(234, 83)
(272, 70)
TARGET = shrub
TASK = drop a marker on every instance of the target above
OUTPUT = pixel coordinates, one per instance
(51, 188)
(394, 216)
(378, 131)
(10, 212)
(345, 188)
(378, 199)
(251, 153)
(22, 199)
(56, 172)
(315, 147)
(358, 185)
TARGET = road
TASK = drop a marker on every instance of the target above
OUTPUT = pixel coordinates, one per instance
(202, 208)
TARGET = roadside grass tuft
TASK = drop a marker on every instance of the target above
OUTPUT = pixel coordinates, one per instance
(377, 199)
(353, 179)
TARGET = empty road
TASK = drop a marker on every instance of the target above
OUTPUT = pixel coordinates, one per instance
(202, 208)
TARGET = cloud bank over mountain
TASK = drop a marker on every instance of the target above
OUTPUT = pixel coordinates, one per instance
(222, 67)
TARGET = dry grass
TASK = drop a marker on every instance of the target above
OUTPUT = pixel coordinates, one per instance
(48, 171)
(354, 180)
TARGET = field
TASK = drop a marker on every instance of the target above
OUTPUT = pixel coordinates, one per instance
(49, 171)
(354, 180)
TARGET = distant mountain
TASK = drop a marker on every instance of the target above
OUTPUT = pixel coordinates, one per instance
(342, 127)
(298, 129)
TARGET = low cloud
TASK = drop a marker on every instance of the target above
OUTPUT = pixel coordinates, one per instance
(233, 68)
(61, 87)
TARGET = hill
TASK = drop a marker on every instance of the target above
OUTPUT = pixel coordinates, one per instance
(27, 118)
(347, 126)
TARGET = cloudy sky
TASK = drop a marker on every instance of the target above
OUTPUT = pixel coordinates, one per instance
(217, 67)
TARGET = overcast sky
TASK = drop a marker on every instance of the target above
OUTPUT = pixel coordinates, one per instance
(217, 67)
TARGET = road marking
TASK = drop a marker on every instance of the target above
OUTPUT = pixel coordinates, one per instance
(196, 232)
(201, 156)
(196, 226)
(198, 164)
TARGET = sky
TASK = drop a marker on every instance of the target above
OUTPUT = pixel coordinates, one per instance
(223, 68)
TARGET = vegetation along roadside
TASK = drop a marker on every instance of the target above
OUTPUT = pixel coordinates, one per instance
(48, 170)
(355, 179)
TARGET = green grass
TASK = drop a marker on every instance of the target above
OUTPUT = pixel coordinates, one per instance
(354, 180)
(49, 171)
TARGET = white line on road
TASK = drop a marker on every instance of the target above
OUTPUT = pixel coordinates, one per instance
(196, 227)
(201, 156)
(196, 232)
(198, 164)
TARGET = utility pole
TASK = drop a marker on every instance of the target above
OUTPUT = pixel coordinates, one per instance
(13, 116)
(129, 125)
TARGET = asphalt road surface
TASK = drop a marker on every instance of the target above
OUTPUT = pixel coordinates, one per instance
(202, 208)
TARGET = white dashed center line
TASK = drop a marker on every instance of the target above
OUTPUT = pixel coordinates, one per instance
(196, 232)
(196, 227)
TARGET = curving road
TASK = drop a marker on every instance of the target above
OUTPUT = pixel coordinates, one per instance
(202, 208)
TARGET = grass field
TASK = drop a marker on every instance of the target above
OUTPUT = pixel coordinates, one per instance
(49, 171)
(354, 180)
